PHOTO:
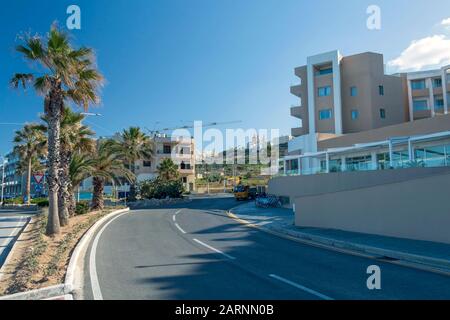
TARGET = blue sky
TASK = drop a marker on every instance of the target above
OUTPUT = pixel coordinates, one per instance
(171, 61)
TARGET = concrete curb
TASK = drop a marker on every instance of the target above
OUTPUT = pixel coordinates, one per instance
(38, 294)
(73, 270)
(428, 263)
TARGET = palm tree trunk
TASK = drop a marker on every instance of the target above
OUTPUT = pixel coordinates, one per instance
(53, 104)
(132, 196)
(63, 191)
(28, 188)
(97, 200)
(72, 203)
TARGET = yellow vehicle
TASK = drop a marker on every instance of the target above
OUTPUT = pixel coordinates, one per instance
(244, 192)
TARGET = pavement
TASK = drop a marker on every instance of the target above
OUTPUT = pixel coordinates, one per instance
(11, 224)
(434, 255)
(196, 251)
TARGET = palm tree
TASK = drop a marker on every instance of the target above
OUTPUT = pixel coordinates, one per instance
(75, 138)
(65, 74)
(132, 145)
(81, 167)
(168, 170)
(107, 167)
(29, 145)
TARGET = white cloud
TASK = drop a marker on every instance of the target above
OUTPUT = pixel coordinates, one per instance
(446, 22)
(429, 52)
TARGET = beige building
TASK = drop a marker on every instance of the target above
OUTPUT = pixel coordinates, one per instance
(180, 149)
(348, 104)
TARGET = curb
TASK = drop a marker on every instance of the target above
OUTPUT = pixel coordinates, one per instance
(38, 294)
(73, 270)
(427, 263)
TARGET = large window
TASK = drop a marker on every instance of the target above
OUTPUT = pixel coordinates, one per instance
(324, 91)
(418, 85)
(358, 163)
(431, 156)
(167, 149)
(325, 71)
(439, 103)
(325, 114)
(420, 105)
(437, 83)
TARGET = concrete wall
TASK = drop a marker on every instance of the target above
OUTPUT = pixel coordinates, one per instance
(415, 209)
(300, 186)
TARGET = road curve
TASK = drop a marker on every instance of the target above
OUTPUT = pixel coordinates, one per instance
(197, 252)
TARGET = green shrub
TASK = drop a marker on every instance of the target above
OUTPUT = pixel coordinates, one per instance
(161, 189)
(40, 202)
(82, 207)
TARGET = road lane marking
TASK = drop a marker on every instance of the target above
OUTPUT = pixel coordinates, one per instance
(179, 228)
(214, 249)
(95, 286)
(174, 217)
(299, 286)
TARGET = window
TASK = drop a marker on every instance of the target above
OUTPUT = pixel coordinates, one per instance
(418, 84)
(147, 163)
(437, 83)
(324, 91)
(420, 105)
(167, 149)
(383, 113)
(353, 91)
(439, 103)
(355, 114)
(381, 90)
(325, 114)
(325, 71)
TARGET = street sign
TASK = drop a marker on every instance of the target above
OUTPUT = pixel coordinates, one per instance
(38, 177)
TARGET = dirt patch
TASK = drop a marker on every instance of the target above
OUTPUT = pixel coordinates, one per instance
(39, 261)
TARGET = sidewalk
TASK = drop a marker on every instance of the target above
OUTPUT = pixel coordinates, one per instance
(423, 254)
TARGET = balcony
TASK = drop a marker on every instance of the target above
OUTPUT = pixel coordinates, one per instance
(298, 112)
(296, 90)
(297, 132)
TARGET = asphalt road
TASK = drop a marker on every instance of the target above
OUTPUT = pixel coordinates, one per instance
(197, 252)
(11, 222)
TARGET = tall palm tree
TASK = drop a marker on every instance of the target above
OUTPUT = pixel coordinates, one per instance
(75, 138)
(65, 74)
(30, 144)
(132, 145)
(168, 170)
(107, 167)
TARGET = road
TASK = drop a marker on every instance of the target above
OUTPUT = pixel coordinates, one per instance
(11, 222)
(197, 252)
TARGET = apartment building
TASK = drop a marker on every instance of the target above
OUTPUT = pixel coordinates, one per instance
(428, 93)
(356, 117)
(180, 149)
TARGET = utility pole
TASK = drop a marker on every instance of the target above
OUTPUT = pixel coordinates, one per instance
(3, 178)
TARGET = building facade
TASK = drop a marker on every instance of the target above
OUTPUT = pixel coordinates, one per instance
(355, 117)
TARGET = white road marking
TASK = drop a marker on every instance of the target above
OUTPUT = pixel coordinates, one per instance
(96, 291)
(214, 249)
(174, 217)
(179, 228)
(299, 286)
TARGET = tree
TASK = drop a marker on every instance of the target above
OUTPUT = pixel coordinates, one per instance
(168, 170)
(75, 138)
(29, 145)
(81, 167)
(107, 167)
(65, 73)
(132, 145)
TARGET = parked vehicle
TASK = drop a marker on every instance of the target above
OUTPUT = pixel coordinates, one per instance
(241, 192)
(268, 201)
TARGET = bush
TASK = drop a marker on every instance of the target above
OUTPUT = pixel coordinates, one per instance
(17, 200)
(161, 189)
(82, 207)
(40, 202)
